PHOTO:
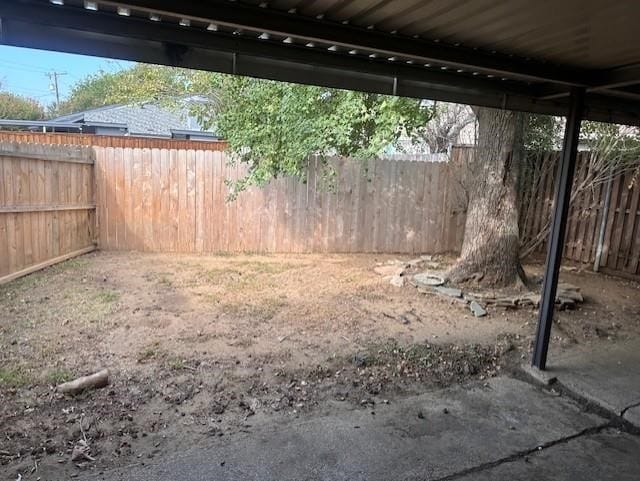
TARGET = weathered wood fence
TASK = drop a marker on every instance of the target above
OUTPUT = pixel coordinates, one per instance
(175, 201)
(604, 220)
(62, 138)
(55, 201)
(47, 209)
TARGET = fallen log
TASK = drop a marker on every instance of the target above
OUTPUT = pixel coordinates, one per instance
(94, 381)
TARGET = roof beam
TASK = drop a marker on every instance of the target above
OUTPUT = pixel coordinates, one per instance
(258, 59)
(619, 78)
(609, 82)
(24, 24)
(72, 29)
(237, 15)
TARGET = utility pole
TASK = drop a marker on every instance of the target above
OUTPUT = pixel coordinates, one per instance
(53, 79)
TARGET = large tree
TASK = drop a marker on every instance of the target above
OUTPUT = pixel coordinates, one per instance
(271, 126)
(444, 129)
(274, 127)
(490, 250)
(17, 107)
(139, 83)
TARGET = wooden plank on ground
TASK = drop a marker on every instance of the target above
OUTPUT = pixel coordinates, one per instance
(47, 263)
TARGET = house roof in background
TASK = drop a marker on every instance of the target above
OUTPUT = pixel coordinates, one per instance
(148, 119)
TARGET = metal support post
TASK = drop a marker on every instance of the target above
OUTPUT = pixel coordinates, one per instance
(558, 228)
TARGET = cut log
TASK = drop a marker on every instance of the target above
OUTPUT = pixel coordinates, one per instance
(94, 381)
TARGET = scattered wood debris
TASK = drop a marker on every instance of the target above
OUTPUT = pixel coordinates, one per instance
(94, 381)
(81, 452)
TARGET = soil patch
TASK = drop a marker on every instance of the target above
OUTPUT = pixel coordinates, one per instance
(212, 346)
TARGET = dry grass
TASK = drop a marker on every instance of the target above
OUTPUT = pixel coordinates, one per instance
(198, 339)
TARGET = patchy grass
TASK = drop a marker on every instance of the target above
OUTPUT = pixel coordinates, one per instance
(148, 353)
(15, 376)
(229, 278)
(71, 264)
(38, 278)
(262, 310)
(259, 267)
(58, 375)
(176, 364)
(21, 284)
(245, 274)
(211, 298)
(107, 296)
(232, 329)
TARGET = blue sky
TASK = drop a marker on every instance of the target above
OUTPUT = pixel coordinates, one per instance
(24, 71)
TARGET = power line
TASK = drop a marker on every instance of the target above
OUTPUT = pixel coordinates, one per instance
(53, 77)
(9, 86)
(23, 66)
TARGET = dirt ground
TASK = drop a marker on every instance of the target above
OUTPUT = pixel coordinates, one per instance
(211, 346)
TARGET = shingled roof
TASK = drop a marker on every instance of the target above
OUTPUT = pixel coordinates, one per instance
(146, 119)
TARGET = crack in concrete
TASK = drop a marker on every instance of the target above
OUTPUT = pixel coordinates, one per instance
(634, 405)
(523, 454)
(614, 420)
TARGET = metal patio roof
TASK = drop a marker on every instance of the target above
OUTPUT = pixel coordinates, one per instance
(517, 54)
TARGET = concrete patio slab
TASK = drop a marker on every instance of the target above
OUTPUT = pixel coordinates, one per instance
(632, 415)
(425, 437)
(605, 456)
(608, 376)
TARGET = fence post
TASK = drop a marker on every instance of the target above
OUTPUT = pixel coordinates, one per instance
(603, 225)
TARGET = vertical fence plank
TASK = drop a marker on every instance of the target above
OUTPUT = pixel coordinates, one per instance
(619, 219)
(629, 227)
(200, 216)
(175, 190)
(217, 206)
(4, 234)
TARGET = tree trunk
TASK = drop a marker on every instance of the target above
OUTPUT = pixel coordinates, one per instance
(490, 250)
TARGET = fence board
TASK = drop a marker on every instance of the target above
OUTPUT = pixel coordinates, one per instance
(629, 226)
(46, 206)
(52, 138)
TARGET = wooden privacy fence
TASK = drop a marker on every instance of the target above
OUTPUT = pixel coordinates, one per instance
(604, 219)
(58, 138)
(175, 201)
(47, 210)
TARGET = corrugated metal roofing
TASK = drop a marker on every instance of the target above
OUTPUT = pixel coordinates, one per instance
(515, 54)
(581, 33)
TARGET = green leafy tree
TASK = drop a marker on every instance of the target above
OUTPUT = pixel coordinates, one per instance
(17, 107)
(274, 127)
(542, 133)
(139, 83)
